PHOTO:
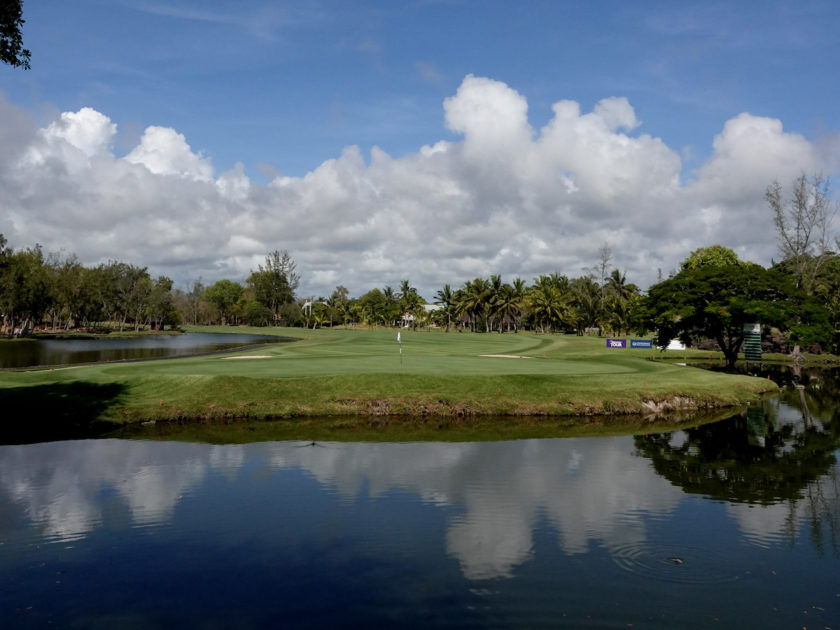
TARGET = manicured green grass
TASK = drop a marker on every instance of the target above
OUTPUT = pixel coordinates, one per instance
(361, 372)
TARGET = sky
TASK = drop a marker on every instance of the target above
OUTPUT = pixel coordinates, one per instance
(428, 140)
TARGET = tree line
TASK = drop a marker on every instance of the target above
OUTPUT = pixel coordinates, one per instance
(60, 293)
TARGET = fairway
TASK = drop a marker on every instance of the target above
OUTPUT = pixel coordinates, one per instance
(367, 372)
(334, 352)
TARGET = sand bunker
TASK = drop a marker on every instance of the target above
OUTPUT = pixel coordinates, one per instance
(250, 356)
(505, 356)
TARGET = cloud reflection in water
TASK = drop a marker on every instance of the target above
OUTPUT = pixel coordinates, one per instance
(589, 491)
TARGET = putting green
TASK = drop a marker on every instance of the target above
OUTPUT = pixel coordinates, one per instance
(334, 352)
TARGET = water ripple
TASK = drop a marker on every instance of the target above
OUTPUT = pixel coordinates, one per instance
(675, 563)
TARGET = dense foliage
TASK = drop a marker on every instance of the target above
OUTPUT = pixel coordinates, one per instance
(716, 301)
(12, 51)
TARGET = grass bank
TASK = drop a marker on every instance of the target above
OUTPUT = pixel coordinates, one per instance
(367, 373)
(410, 429)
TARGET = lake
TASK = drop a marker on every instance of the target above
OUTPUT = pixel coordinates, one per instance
(733, 524)
(38, 352)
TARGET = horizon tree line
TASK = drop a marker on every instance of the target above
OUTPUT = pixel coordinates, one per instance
(60, 293)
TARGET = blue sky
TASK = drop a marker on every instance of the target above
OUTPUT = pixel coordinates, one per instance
(283, 88)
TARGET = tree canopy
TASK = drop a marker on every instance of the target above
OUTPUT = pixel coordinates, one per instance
(712, 256)
(716, 301)
(12, 51)
(274, 285)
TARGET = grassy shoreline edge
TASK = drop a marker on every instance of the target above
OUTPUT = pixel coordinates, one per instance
(366, 374)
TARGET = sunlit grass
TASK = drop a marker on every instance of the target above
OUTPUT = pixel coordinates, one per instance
(361, 372)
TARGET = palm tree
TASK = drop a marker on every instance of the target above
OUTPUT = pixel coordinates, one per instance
(445, 298)
(406, 288)
(506, 305)
(390, 296)
(494, 289)
(392, 307)
(519, 288)
(548, 305)
(617, 285)
(620, 302)
(587, 300)
(413, 304)
(473, 301)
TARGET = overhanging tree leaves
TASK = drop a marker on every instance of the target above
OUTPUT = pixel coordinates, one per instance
(715, 302)
(11, 41)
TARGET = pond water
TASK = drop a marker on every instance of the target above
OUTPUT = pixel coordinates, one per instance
(35, 352)
(733, 524)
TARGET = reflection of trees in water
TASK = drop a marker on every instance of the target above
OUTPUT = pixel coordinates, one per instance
(727, 461)
(820, 395)
(780, 454)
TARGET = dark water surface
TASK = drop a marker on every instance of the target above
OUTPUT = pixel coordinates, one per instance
(37, 352)
(726, 525)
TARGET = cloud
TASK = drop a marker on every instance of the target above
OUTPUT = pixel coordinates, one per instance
(502, 197)
(165, 152)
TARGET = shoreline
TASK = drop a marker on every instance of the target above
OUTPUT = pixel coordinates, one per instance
(365, 374)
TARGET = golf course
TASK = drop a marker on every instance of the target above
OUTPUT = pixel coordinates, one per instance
(365, 373)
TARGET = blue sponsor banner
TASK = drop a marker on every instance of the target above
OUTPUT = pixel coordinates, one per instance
(616, 343)
(641, 343)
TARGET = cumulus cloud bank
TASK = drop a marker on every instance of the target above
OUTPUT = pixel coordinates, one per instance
(506, 198)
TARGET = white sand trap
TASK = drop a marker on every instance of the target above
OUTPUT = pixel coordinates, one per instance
(250, 356)
(505, 356)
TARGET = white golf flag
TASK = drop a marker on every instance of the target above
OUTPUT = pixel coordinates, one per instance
(398, 337)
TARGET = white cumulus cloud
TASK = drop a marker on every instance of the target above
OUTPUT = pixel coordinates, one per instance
(503, 198)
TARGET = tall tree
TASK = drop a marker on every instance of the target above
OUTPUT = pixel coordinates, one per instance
(135, 291)
(224, 295)
(339, 304)
(548, 305)
(373, 305)
(472, 302)
(445, 297)
(588, 299)
(161, 306)
(71, 290)
(274, 285)
(194, 300)
(24, 288)
(507, 307)
(803, 225)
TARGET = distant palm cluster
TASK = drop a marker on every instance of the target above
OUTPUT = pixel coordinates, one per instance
(553, 303)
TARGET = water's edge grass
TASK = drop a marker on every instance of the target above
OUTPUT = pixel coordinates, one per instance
(363, 381)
